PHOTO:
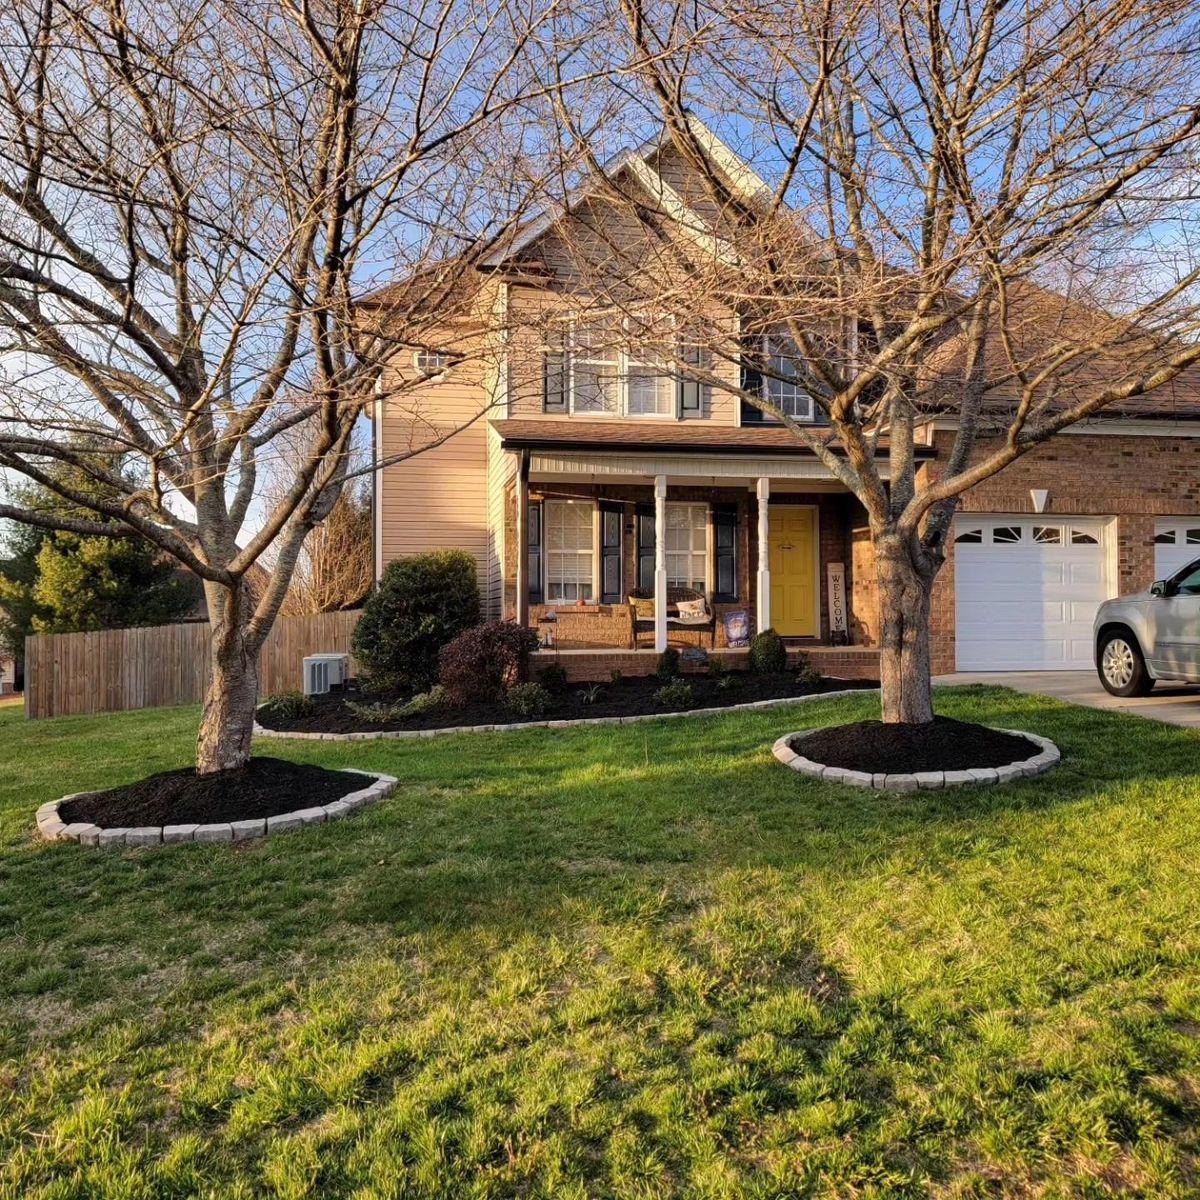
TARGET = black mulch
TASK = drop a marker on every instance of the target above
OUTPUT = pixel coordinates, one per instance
(264, 788)
(630, 697)
(945, 745)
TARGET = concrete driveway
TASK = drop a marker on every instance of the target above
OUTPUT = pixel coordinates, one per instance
(1177, 704)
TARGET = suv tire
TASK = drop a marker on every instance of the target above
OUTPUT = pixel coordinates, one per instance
(1121, 666)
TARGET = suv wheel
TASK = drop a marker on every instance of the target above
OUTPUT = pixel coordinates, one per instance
(1122, 667)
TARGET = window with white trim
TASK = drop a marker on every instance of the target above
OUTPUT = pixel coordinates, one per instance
(614, 375)
(687, 546)
(431, 362)
(570, 549)
(782, 358)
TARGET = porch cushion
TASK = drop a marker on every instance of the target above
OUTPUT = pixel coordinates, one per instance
(643, 608)
(692, 611)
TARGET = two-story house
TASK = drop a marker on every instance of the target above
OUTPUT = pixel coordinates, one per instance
(585, 472)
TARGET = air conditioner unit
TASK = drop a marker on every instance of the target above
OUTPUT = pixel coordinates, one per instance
(316, 676)
(339, 667)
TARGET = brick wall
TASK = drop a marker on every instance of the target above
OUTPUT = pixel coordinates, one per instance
(1135, 479)
(584, 667)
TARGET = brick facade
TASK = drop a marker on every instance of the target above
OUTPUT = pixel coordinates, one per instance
(1134, 479)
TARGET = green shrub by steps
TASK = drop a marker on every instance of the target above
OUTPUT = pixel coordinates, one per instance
(768, 654)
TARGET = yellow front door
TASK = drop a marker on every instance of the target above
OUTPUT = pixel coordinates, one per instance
(793, 564)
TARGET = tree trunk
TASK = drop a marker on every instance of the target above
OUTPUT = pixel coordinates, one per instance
(904, 603)
(227, 723)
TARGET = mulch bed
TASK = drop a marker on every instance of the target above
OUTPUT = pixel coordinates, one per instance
(945, 745)
(631, 697)
(264, 788)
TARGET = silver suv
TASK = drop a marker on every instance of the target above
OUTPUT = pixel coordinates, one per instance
(1152, 635)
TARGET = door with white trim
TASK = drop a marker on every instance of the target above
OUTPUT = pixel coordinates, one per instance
(1026, 590)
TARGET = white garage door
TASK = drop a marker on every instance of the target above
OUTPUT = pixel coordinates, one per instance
(1026, 592)
(1176, 543)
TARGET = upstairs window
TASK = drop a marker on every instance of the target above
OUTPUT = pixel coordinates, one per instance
(781, 386)
(605, 368)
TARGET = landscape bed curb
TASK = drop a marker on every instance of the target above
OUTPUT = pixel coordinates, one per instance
(1046, 758)
(51, 829)
(366, 735)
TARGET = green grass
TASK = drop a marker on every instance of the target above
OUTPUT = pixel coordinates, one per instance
(638, 961)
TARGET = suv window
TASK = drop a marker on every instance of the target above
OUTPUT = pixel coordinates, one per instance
(1187, 581)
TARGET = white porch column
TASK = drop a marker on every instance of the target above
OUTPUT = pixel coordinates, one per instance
(522, 605)
(660, 563)
(763, 491)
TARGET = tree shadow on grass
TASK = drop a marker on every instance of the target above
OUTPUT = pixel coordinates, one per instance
(665, 910)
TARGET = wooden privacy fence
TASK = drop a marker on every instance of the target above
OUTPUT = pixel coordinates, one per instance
(119, 669)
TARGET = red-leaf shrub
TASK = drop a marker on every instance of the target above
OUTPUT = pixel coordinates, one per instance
(484, 662)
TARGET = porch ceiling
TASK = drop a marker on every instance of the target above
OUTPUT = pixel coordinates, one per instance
(680, 451)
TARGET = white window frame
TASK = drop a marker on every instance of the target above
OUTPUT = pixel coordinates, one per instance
(428, 370)
(548, 594)
(705, 510)
(769, 381)
(622, 359)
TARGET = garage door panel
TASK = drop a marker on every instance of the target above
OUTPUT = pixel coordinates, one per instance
(1026, 604)
(1176, 543)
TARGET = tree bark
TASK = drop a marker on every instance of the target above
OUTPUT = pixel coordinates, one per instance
(227, 723)
(905, 589)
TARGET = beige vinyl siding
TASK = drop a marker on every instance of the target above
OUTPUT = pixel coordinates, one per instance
(437, 499)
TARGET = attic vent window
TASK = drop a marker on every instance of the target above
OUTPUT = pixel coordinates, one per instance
(431, 362)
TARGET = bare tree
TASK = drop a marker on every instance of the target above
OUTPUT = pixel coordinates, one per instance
(334, 571)
(982, 212)
(192, 199)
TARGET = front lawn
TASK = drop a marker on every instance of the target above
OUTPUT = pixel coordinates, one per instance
(631, 961)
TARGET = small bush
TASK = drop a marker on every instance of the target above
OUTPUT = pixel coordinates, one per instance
(615, 676)
(553, 678)
(675, 695)
(717, 667)
(529, 700)
(422, 603)
(806, 674)
(768, 654)
(668, 664)
(424, 702)
(290, 705)
(593, 693)
(483, 663)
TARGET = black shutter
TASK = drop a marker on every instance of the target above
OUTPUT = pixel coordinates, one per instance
(693, 395)
(645, 549)
(752, 380)
(610, 553)
(554, 376)
(725, 539)
(534, 551)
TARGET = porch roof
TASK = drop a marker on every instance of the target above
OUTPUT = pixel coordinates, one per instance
(675, 437)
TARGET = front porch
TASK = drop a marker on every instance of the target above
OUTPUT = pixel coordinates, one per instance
(611, 558)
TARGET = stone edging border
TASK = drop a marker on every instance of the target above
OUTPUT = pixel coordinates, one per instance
(51, 829)
(368, 735)
(1046, 758)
